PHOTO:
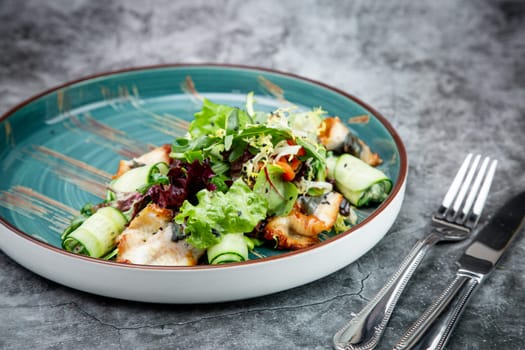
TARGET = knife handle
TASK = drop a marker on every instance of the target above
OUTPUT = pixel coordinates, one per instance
(434, 327)
(364, 331)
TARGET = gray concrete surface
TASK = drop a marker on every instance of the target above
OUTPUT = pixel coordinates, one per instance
(449, 75)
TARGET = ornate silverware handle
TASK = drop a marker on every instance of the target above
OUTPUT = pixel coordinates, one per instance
(434, 327)
(364, 330)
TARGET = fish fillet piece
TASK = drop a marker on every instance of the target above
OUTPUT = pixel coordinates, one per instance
(335, 135)
(157, 155)
(300, 230)
(332, 133)
(148, 241)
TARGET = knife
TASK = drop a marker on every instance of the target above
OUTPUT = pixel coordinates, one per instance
(434, 327)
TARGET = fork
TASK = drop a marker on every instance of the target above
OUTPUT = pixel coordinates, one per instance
(454, 220)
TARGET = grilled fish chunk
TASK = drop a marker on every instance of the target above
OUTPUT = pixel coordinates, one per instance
(157, 155)
(148, 241)
(278, 229)
(337, 137)
(300, 229)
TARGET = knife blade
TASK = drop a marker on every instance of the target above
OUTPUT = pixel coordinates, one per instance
(434, 327)
(485, 251)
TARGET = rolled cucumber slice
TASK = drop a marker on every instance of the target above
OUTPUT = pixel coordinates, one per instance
(359, 182)
(331, 163)
(95, 237)
(137, 178)
(232, 248)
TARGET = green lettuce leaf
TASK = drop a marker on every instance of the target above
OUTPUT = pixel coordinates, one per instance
(237, 211)
(213, 117)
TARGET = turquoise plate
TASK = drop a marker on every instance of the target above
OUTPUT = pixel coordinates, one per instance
(59, 148)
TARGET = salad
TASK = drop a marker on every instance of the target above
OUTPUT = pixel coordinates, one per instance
(238, 179)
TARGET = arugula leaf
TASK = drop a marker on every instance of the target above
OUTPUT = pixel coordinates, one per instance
(237, 211)
(257, 130)
(190, 149)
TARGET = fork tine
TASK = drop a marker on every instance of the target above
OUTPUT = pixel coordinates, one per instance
(482, 197)
(453, 189)
(473, 192)
(464, 187)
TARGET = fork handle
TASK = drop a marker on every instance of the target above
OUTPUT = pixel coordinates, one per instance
(434, 327)
(366, 328)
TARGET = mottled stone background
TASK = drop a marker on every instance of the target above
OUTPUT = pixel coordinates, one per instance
(449, 75)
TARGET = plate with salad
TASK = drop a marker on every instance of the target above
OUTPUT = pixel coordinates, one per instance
(195, 183)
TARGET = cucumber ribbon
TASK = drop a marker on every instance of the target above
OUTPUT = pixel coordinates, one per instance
(360, 183)
(95, 237)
